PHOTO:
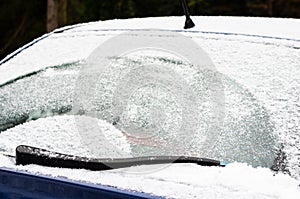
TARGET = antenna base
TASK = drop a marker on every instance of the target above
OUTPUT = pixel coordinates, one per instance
(189, 23)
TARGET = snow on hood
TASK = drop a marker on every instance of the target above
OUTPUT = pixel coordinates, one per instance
(183, 181)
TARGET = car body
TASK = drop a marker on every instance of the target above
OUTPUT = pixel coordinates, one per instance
(255, 60)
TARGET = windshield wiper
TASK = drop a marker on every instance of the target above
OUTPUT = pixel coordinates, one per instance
(26, 155)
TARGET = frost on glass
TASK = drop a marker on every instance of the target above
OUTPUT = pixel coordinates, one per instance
(246, 135)
(45, 93)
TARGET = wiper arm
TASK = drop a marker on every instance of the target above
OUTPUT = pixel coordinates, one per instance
(26, 155)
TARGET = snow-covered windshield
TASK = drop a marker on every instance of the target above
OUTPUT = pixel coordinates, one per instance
(259, 105)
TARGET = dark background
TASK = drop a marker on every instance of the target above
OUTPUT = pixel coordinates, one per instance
(23, 20)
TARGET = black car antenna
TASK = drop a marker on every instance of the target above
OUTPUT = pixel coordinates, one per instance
(188, 21)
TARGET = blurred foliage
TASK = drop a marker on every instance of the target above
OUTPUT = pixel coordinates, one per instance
(24, 20)
(91, 10)
(20, 22)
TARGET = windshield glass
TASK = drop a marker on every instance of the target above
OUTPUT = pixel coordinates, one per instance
(238, 112)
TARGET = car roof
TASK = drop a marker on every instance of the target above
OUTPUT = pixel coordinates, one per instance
(75, 43)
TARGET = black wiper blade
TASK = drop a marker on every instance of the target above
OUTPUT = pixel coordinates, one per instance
(26, 155)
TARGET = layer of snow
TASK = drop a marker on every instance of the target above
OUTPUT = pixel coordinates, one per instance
(79, 46)
(60, 134)
(183, 181)
(43, 96)
(265, 67)
(269, 27)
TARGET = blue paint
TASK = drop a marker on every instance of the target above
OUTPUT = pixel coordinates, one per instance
(16, 184)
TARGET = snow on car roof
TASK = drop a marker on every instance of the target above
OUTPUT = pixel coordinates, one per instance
(254, 52)
(88, 37)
